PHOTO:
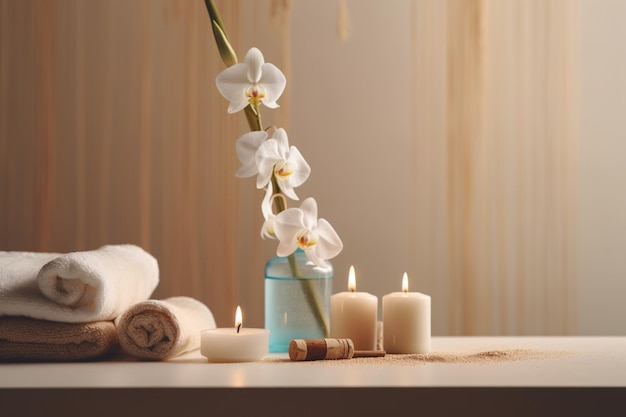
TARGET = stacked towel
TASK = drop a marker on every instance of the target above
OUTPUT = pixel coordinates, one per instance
(27, 339)
(62, 306)
(162, 329)
(77, 287)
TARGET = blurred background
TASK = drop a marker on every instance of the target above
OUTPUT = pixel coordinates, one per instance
(474, 144)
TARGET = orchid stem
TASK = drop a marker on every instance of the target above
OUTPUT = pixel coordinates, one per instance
(253, 117)
(313, 299)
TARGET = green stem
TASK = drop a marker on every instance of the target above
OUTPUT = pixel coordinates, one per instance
(253, 116)
(313, 299)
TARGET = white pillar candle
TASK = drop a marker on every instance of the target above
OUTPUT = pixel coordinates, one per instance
(234, 344)
(406, 321)
(353, 315)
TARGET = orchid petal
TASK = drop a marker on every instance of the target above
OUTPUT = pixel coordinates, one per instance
(287, 224)
(274, 82)
(286, 248)
(232, 84)
(329, 245)
(309, 213)
(287, 189)
(266, 205)
(267, 230)
(302, 169)
(268, 149)
(247, 146)
(254, 61)
(266, 157)
(282, 142)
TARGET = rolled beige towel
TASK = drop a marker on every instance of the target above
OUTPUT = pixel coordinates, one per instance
(28, 339)
(163, 329)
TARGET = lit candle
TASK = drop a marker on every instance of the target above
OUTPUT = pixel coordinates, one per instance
(353, 315)
(236, 344)
(406, 321)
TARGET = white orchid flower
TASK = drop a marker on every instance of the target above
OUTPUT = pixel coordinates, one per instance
(246, 147)
(275, 157)
(252, 81)
(300, 228)
(267, 230)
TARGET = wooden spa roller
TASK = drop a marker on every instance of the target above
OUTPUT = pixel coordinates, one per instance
(320, 349)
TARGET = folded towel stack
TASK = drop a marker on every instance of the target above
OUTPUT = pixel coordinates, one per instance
(63, 306)
(85, 305)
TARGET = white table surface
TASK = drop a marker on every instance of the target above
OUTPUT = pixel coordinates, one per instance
(586, 362)
(588, 366)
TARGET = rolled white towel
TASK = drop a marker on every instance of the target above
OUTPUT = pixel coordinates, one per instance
(76, 287)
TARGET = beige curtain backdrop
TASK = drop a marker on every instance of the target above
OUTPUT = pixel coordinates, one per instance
(112, 131)
(496, 127)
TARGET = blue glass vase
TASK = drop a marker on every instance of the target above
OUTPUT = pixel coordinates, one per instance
(297, 300)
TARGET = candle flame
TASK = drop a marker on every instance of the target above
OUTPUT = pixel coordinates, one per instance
(405, 283)
(352, 279)
(238, 319)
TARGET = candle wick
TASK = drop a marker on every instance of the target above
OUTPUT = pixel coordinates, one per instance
(238, 327)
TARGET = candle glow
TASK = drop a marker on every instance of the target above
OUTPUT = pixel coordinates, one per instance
(405, 283)
(351, 279)
(238, 319)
